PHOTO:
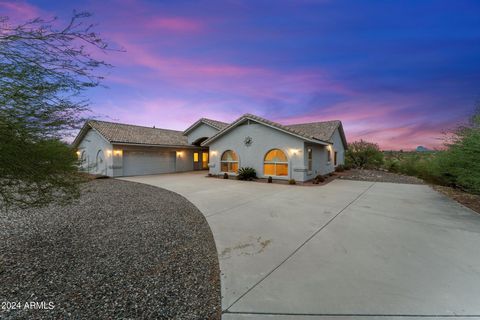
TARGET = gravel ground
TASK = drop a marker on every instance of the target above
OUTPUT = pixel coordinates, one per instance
(378, 176)
(123, 250)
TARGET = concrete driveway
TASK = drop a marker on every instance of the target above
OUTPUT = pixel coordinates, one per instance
(345, 250)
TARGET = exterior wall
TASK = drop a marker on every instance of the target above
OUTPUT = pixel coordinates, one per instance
(264, 139)
(201, 131)
(338, 147)
(91, 145)
(320, 164)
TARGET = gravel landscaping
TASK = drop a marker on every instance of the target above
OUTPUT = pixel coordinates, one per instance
(378, 176)
(123, 250)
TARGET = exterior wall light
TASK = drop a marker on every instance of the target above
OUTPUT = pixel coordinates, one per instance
(213, 153)
(179, 154)
(118, 153)
(294, 151)
(109, 153)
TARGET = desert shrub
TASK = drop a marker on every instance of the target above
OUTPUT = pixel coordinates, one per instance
(247, 173)
(364, 155)
(270, 179)
(292, 181)
(457, 166)
(392, 165)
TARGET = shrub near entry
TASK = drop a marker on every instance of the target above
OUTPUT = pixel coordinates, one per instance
(247, 173)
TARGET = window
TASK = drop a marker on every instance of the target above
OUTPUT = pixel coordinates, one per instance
(275, 163)
(329, 155)
(335, 158)
(229, 162)
(309, 159)
(195, 157)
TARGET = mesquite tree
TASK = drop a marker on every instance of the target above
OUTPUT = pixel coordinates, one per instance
(44, 69)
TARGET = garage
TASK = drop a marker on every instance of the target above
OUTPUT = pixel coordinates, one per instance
(148, 162)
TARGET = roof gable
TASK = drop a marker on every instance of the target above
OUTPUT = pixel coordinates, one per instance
(218, 125)
(287, 129)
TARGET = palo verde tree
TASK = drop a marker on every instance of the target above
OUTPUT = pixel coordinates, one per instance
(44, 69)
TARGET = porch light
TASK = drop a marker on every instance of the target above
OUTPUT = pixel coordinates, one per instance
(294, 151)
(118, 153)
(78, 153)
(213, 153)
(179, 154)
(109, 153)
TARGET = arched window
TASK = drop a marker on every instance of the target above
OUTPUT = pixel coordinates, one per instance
(275, 163)
(229, 161)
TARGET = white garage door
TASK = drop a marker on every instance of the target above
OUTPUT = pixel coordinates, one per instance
(148, 162)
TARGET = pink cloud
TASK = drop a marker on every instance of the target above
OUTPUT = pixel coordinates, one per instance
(174, 24)
(18, 11)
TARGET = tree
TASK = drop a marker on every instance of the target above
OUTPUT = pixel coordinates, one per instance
(44, 69)
(459, 164)
(364, 155)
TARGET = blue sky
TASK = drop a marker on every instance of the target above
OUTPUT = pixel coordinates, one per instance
(395, 72)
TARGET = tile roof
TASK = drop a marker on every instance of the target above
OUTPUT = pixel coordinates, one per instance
(215, 123)
(319, 132)
(126, 133)
(315, 132)
(219, 125)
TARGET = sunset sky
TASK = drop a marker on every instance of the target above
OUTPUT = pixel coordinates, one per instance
(395, 72)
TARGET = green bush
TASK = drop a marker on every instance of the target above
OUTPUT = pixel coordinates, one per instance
(364, 155)
(340, 168)
(457, 166)
(247, 173)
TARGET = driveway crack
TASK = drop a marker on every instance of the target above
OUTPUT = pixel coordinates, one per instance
(298, 248)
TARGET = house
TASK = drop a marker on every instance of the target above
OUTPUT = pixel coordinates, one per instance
(298, 151)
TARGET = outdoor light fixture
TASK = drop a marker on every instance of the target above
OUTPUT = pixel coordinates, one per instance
(213, 153)
(179, 154)
(109, 153)
(78, 153)
(117, 152)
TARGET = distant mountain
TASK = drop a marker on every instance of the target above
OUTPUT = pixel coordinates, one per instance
(422, 149)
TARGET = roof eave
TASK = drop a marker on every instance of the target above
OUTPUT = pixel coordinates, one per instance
(155, 145)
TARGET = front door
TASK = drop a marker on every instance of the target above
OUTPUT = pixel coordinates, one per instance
(204, 160)
(196, 161)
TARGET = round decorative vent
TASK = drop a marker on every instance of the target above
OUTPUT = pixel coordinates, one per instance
(248, 141)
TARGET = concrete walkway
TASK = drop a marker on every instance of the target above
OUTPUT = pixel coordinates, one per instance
(345, 250)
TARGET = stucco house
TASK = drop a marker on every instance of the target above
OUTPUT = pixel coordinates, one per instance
(298, 151)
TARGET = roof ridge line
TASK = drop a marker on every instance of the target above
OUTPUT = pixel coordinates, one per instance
(133, 125)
